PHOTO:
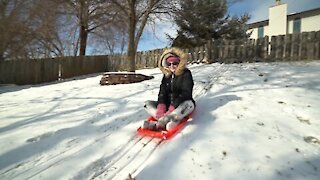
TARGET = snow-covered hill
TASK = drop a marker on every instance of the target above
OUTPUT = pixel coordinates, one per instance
(253, 121)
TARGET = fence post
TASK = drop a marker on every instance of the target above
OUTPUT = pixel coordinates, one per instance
(251, 50)
(238, 49)
(317, 45)
(254, 49)
(287, 47)
(189, 56)
(192, 54)
(244, 50)
(311, 45)
(214, 51)
(124, 62)
(197, 55)
(303, 46)
(295, 47)
(208, 54)
(159, 53)
(232, 51)
(153, 55)
(138, 60)
(262, 49)
(144, 59)
(201, 53)
(265, 48)
(220, 50)
(273, 48)
(279, 47)
(225, 51)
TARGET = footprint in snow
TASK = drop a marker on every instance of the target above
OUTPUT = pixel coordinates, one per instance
(303, 120)
(38, 138)
(311, 140)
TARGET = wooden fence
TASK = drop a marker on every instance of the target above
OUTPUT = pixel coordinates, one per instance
(291, 47)
(29, 72)
(47, 70)
(77, 66)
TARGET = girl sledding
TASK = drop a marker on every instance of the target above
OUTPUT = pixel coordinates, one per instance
(175, 102)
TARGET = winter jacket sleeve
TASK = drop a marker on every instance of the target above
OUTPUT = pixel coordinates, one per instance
(186, 89)
(163, 95)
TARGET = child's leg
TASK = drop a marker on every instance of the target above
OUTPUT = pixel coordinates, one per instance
(171, 120)
(151, 107)
(183, 110)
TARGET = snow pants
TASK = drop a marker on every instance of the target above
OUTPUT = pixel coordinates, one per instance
(183, 110)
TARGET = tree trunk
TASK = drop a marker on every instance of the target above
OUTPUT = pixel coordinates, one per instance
(83, 40)
(131, 38)
(131, 47)
(83, 27)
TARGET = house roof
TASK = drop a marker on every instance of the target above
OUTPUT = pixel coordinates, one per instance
(291, 16)
(304, 14)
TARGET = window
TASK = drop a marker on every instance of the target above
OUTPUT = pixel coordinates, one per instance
(297, 25)
(260, 32)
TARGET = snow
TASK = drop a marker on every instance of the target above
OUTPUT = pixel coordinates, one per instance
(252, 121)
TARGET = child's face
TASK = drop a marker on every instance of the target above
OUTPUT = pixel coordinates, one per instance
(172, 66)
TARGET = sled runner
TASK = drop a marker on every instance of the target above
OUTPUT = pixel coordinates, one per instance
(164, 134)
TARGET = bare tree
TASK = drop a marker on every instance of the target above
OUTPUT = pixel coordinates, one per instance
(13, 26)
(28, 30)
(49, 28)
(136, 14)
(55, 28)
(45, 30)
(91, 16)
(109, 40)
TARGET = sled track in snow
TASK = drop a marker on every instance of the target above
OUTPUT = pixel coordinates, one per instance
(129, 159)
(46, 161)
(213, 78)
(54, 159)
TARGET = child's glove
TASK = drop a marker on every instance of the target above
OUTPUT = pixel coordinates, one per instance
(170, 109)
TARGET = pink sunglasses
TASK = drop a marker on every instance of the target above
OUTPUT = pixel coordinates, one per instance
(172, 63)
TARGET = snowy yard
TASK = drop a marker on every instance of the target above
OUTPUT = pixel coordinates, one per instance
(252, 121)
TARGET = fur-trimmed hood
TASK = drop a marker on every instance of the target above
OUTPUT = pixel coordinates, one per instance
(163, 65)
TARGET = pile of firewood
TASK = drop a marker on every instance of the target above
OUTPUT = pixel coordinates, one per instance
(112, 78)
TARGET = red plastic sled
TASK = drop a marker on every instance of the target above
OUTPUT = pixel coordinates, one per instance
(163, 134)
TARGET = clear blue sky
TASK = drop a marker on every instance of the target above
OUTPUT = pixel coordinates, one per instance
(258, 9)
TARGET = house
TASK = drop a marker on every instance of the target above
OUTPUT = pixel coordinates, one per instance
(280, 23)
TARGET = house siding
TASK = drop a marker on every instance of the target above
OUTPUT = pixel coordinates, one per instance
(309, 22)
